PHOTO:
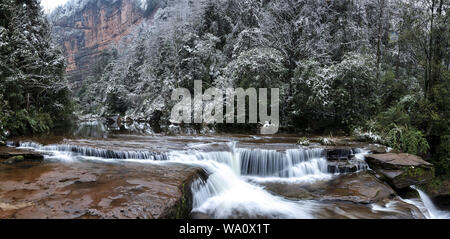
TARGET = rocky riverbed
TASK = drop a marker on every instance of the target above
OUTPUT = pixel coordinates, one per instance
(54, 189)
(224, 176)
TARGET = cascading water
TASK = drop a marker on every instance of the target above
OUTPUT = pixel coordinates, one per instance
(233, 188)
(292, 163)
(94, 152)
(427, 206)
(359, 159)
(226, 193)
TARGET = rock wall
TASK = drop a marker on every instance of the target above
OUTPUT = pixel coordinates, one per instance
(85, 34)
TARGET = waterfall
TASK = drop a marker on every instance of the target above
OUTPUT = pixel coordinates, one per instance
(428, 209)
(232, 188)
(227, 195)
(292, 163)
(10, 144)
(359, 160)
(95, 152)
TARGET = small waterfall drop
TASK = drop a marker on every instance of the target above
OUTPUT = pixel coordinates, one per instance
(292, 163)
(226, 195)
(95, 152)
(359, 160)
(428, 209)
(233, 188)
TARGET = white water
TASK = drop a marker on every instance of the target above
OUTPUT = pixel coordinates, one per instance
(226, 193)
(427, 207)
(70, 150)
(232, 190)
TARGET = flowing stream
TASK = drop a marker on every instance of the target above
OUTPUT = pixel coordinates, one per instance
(235, 185)
(427, 206)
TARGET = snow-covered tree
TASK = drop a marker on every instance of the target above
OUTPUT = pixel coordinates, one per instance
(32, 84)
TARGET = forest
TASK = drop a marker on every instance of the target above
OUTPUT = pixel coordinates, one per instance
(377, 70)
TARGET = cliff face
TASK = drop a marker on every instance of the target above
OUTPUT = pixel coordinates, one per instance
(86, 33)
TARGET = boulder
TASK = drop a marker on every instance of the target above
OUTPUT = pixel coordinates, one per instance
(401, 170)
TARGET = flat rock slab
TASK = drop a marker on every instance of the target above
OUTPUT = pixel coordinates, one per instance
(339, 153)
(394, 160)
(8, 153)
(401, 170)
(355, 188)
(96, 190)
(387, 209)
(358, 195)
(359, 188)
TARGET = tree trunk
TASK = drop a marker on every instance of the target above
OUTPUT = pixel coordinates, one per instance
(380, 26)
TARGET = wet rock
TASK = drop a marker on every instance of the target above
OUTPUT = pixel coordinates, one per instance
(93, 190)
(341, 167)
(377, 149)
(15, 159)
(12, 156)
(340, 154)
(356, 188)
(401, 170)
(386, 209)
(2, 143)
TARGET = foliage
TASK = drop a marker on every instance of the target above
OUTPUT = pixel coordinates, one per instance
(33, 91)
(408, 140)
(303, 141)
(341, 93)
(378, 69)
(442, 158)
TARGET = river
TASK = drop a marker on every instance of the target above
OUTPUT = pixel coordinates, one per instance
(248, 176)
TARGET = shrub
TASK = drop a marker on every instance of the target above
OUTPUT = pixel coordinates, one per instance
(442, 161)
(303, 141)
(366, 135)
(24, 122)
(407, 139)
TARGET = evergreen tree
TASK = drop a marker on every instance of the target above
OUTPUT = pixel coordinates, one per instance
(35, 94)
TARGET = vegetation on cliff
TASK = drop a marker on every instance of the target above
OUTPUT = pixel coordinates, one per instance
(34, 97)
(375, 68)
